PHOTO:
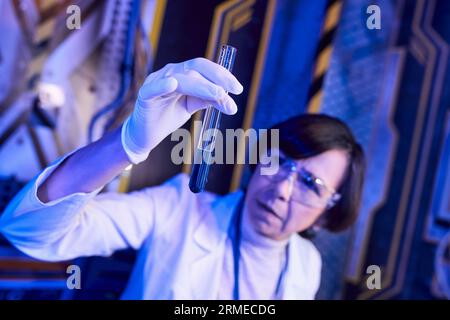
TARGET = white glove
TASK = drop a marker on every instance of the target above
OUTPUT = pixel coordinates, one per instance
(169, 97)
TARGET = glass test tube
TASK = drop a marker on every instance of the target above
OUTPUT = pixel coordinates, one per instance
(207, 137)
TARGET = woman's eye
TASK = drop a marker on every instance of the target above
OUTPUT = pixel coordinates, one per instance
(308, 181)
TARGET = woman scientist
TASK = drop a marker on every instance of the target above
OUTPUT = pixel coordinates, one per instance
(195, 246)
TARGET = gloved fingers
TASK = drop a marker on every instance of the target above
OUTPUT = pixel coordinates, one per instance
(227, 106)
(214, 73)
(195, 85)
(157, 87)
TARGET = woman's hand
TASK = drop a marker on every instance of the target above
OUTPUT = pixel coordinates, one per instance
(169, 97)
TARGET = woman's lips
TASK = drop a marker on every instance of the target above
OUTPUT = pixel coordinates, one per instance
(267, 208)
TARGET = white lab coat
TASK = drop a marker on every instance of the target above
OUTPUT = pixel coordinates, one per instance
(180, 236)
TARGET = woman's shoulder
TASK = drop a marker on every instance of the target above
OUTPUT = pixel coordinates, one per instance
(177, 189)
(180, 185)
(174, 198)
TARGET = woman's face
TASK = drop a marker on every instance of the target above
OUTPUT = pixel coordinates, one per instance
(269, 207)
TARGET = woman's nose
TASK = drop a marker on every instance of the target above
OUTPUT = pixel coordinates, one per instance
(283, 188)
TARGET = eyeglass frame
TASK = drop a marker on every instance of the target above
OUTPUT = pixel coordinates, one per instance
(302, 171)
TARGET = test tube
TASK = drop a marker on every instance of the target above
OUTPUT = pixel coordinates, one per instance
(207, 137)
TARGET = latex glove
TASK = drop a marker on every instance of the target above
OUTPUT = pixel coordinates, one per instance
(169, 97)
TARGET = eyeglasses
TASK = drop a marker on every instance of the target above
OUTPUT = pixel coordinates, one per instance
(305, 188)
